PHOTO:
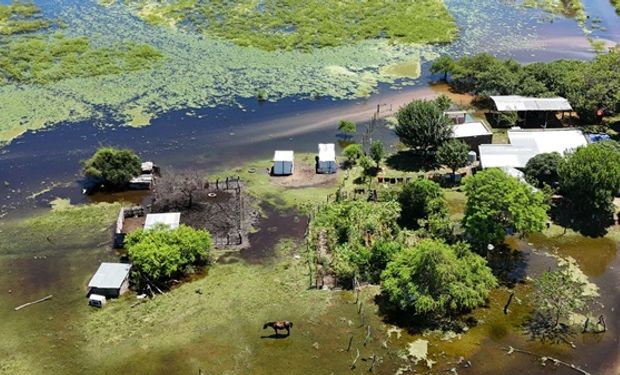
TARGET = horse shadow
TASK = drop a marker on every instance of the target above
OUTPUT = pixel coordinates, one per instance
(275, 336)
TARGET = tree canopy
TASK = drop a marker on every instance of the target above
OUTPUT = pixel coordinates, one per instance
(161, 252)
(377, 152)
(542, 169)
(423, 204)
(113, 167)
(498, 204)
(422, 125)
(587, 85)
(589, 179)
(353, 152)
(453, 154)
(347, 128)
(433, 278)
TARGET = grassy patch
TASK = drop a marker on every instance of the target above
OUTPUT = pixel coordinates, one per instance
(570, 8)
(259, 184)
(20, 17)
(43, 60)
(296, 24)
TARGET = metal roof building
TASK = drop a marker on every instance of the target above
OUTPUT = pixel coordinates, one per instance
(111, 279)
(516, 103)
(525, 144)
(171, 219)
(469, 129)
(327, 158)
(283, 163)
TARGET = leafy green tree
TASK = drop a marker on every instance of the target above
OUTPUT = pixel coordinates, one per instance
(556, 297)
(161, 252)
(443, 64)
(347, 128)
(453, 154)
(444, 102)
(353, 152)
(437, 280)
(497, 204)
(542, 169)
(113, 167)
(381, 254)
(421, 200)
(422, 125)
(377, 152)
(589, 179)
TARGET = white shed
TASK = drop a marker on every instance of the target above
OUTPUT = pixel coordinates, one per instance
(326, 162)
(110, 280)
(170, 219)
(283, 163)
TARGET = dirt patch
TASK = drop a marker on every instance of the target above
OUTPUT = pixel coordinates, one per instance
(305, 176)
(132, 224)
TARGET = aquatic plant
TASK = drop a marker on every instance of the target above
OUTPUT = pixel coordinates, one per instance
(571, 8)
(295, 24)
(19, 17)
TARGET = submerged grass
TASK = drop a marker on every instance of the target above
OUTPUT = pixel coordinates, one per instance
(298, 24)
(20, 17)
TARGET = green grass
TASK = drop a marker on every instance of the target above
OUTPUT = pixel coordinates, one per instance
(47, 59)
(299, 24)
(20, 17)
(570, 8)
(259, 184)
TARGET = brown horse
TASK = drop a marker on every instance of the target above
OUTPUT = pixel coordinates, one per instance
(285, 324)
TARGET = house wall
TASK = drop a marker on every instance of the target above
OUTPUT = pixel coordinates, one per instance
(326, 167)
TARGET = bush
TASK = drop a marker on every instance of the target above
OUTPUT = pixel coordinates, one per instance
(437, 280)
(161, 253)
(353, 152)
(420, 200)
(113, 167)
(542, 169)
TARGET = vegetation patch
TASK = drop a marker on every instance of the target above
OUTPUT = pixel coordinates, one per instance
(20, 17)
(570, 8)
(297, 24)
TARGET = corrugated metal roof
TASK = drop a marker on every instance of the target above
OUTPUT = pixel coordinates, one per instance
(284, 156)
(110, 275)
(511, 103)
(171, 219)
(469, 129)
(525, 144)
(327, 152)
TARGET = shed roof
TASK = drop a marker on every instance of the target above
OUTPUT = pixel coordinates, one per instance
(525, 144)
(284, 156)
(327, 152)
(171, 219)
(510, 103)
(469, 129)
(110, 275)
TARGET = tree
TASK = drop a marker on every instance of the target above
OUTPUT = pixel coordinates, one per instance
(347, 128)
(498, 204)
(377, 152)
(589, 179)
(453, 154)
(443, 64)
(422, 125)
(542, 169)
(420, 201)
(557, 296)
(161, 252)
(436, 279)
(113, 167)
(353, 152)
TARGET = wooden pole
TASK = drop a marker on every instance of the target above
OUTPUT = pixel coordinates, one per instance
(33, 302)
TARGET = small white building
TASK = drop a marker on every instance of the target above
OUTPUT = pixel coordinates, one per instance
(110, 280)
(283, 163)
(326, 162)
(525, 144)
(170, 219)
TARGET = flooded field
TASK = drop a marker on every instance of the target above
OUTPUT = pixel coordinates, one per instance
(44, 253)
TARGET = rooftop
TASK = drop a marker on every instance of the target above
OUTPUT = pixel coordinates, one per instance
(327, 152)
(469, 129)
(284, 156)
(110, 275)
(525, 144)
(171, 219)
(512, 103)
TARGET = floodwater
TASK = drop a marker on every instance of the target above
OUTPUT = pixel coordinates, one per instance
(39, 166)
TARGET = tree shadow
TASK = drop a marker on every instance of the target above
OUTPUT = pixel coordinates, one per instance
(410, 161)
(582, 218)
(508, 265)
(275, 336)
